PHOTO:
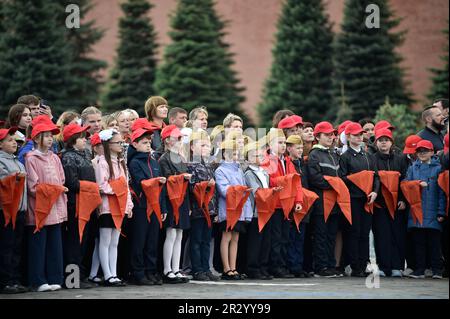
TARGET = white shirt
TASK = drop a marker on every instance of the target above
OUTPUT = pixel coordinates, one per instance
(260, 174)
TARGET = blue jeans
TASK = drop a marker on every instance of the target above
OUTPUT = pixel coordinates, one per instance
(200, 237)
(295, 253)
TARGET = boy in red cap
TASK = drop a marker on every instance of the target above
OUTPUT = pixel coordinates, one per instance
(11, 234)
(427, 235)
(77, 167)
(390, 215)
(356, 236)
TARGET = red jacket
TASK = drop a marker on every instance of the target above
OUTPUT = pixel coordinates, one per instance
(272, 164)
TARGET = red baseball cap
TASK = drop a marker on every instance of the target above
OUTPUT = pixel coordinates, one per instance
(425, 144)
(139, 132)
(44, 127)
(4, 132)
(95, 140)
(342, 126)
(143, 123)
(288, 122)
(72, 129)
(446, 143)
(324, 127)
(383, 124)
(411, 144)
(384, 132)
(353, 128)
(171, 131)
(41, 119)
(297, 119)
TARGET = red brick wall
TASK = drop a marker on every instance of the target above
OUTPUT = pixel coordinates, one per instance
(253, 25)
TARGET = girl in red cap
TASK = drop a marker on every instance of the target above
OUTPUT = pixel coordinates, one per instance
(45, 252)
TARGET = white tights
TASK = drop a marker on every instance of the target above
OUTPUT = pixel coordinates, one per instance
(109, 240)
(172, 250)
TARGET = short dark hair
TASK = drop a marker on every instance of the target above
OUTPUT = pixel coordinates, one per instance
(281, 114)
(365, 121)
(427, 111)
(73, 140)
(28, 100)
(146, 135)
(174, 111)
(443, 101)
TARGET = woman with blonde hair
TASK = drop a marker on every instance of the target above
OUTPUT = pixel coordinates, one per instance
(156, 110)
(68, 117)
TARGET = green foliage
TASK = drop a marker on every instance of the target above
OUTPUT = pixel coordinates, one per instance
(440, 77)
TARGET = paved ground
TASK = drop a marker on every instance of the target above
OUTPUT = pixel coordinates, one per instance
(315, 288)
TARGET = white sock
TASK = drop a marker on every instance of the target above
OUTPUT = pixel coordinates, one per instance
(113, 252)
(103, 250)
(95, 261)
(177, 251)
(171, 235)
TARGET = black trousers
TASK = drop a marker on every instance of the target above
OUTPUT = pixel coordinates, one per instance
(324, 241)
(11, 250)
(356, 235)
(279, 241)
(258, 247)
(200, 242)
(444, 242)
(390, 239)
(427, 240)
(143, 238)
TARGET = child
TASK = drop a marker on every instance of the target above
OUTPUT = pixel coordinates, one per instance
(45, 259)
(426, 236)
(278, 165)
(110, 168)
(144, 233)
(11, 238)
(296, 247)
(172, 163)
(229, 173)
(389, 231)
(258, 242)
(77, 167)
(356, 235)
(200, 234)
(324, 161)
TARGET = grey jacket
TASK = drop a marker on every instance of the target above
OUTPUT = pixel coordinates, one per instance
(253, 181)
(9, 164)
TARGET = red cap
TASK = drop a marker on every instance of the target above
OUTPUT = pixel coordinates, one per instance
(342, 126)
(41, 119)
(383, 124)
(287, 122)
(138, 133)
(425, 144)
(446, 143)
(4, 132)
(353, 128)
(411, 144)
(297, 119)
(384, 132)
(171, 131)
(44, 127)
(72, 129)
(324, 127)
(143, 123)
(95, 140)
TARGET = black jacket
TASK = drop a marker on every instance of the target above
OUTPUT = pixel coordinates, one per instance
(391, 162)
(201, 172)
(352, 162)
(433, 137)
(143, 166)
(322, 162)
(444, 159)
(77, 167)
(300, 167)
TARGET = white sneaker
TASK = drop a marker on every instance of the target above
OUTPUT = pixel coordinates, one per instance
(348, 271)
(380, 273)
(55, 287)
(396, 273)
(44, 288)
(428, 273)
(407, 272)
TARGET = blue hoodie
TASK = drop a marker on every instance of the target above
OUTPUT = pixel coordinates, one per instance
(433, 198)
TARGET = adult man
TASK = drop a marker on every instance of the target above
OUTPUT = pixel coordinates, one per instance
(434, 124)
(178, 117)
(92, 117)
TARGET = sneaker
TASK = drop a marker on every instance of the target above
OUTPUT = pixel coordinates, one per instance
(20, 288)
(9, 290)
(417, 275)
(428, 273)
(348, 271)
(215, 272)
(157, 279)
(437, 275)
(212, 277)
(184, 278)
(407, 272)
(201, 276)
(55, 287)
(396, 274)
(325, 273)
(44, 288)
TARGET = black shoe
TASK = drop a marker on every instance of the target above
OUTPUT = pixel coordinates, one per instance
(10, 290)
(156, 277)
(338, 273)
(359, 274)
(141, 282)
(255, 275)
(325, 273)
(282, 274)
(212, 277)
(201, 276)
(171, 280)
(229, 276)
(87, 284)
(266, 275)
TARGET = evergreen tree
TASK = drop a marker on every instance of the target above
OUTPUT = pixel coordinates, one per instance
(33, 53)
(131, 80)
(197, 67)
(83, 90)
(366, 61)
(300, 77)
(440, 78)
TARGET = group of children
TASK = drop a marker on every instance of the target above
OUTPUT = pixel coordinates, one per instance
(121, 203)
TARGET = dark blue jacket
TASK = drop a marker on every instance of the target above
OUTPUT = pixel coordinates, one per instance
(143, 166)
(433, 198)
(433, 137)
